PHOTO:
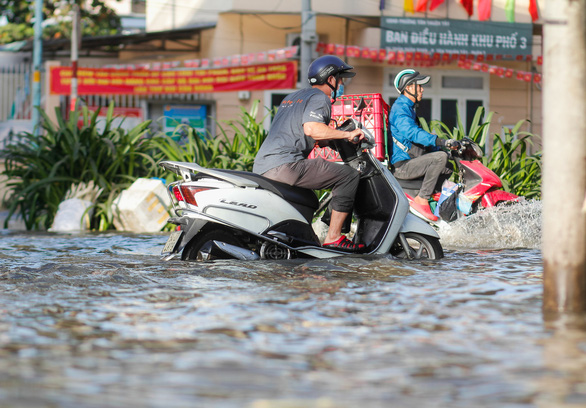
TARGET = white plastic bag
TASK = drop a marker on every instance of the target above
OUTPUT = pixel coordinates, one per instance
(72, 216)
(464, 204)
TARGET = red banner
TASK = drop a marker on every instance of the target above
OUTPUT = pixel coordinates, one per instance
(99, 81)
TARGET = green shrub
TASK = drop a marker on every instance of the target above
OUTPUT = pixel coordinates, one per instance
(222, 152)
(41, 169)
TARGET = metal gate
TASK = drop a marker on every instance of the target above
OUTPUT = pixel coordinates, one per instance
(15, 92)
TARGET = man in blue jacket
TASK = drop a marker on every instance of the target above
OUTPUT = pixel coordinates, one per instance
(411, 156)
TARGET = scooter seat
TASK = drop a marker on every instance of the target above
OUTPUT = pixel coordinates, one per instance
(297, 195)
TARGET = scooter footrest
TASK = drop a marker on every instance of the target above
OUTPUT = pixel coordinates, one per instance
(177, 220)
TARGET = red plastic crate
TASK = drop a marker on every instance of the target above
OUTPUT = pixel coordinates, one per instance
(374, 118)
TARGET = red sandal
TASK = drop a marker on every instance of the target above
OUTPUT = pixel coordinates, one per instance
(344, 244)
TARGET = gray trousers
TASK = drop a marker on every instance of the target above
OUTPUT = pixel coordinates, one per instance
(317, 174)
(430, 166)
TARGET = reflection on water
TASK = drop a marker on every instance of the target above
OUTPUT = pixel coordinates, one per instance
(98, 320)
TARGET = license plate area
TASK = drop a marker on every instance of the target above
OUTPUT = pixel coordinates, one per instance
(171, 242)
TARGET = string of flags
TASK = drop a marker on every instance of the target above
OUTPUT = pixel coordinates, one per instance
(484, 8)
(501, 71)
(217, 62)
(478, 62)
(419, 59)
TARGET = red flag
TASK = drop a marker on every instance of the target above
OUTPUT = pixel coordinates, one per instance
(382, 54)
(421, 6)
(468, 6)
(533, 10)
(353, 51)
(434, 4)
(484, 9)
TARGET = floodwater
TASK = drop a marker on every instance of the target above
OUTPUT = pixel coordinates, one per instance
(97, 320)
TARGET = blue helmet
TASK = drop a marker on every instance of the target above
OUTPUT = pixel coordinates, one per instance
(325, 66)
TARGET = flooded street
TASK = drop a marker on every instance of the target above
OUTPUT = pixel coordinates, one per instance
(97, 320)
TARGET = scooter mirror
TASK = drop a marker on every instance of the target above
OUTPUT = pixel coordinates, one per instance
(361, 106)
(359, 110)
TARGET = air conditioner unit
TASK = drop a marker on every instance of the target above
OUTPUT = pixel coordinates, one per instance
(293, 39)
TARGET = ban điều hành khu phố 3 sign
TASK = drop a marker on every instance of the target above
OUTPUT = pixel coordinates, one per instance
(449, 36)
(100, 81)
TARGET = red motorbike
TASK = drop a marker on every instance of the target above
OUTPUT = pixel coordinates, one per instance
(476, 187)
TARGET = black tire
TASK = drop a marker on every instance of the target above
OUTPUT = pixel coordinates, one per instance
(421, 247)
(191, 252)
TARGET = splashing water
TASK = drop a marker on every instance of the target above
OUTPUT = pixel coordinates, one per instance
(509, 226)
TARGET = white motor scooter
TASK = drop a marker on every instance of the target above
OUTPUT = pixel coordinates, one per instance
(228, 214)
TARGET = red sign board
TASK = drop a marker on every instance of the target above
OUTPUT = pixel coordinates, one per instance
(99, 81)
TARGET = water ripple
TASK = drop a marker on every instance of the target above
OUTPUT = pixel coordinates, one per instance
(99, 320)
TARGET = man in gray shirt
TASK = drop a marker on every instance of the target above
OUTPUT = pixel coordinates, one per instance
(302, 120)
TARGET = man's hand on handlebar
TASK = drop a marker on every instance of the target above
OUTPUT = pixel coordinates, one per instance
(452, 144)
(355, 135)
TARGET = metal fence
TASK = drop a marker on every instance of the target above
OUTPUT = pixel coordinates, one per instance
(15, 92)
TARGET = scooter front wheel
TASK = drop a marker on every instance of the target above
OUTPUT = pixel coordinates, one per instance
(417, 246)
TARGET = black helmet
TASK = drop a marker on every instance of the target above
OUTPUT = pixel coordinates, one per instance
(325, 66)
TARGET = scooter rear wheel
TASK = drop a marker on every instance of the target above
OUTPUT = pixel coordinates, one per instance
(419, 247)
(193, 250)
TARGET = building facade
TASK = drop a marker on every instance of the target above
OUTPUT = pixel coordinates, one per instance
(503, 80)
(478, 53)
